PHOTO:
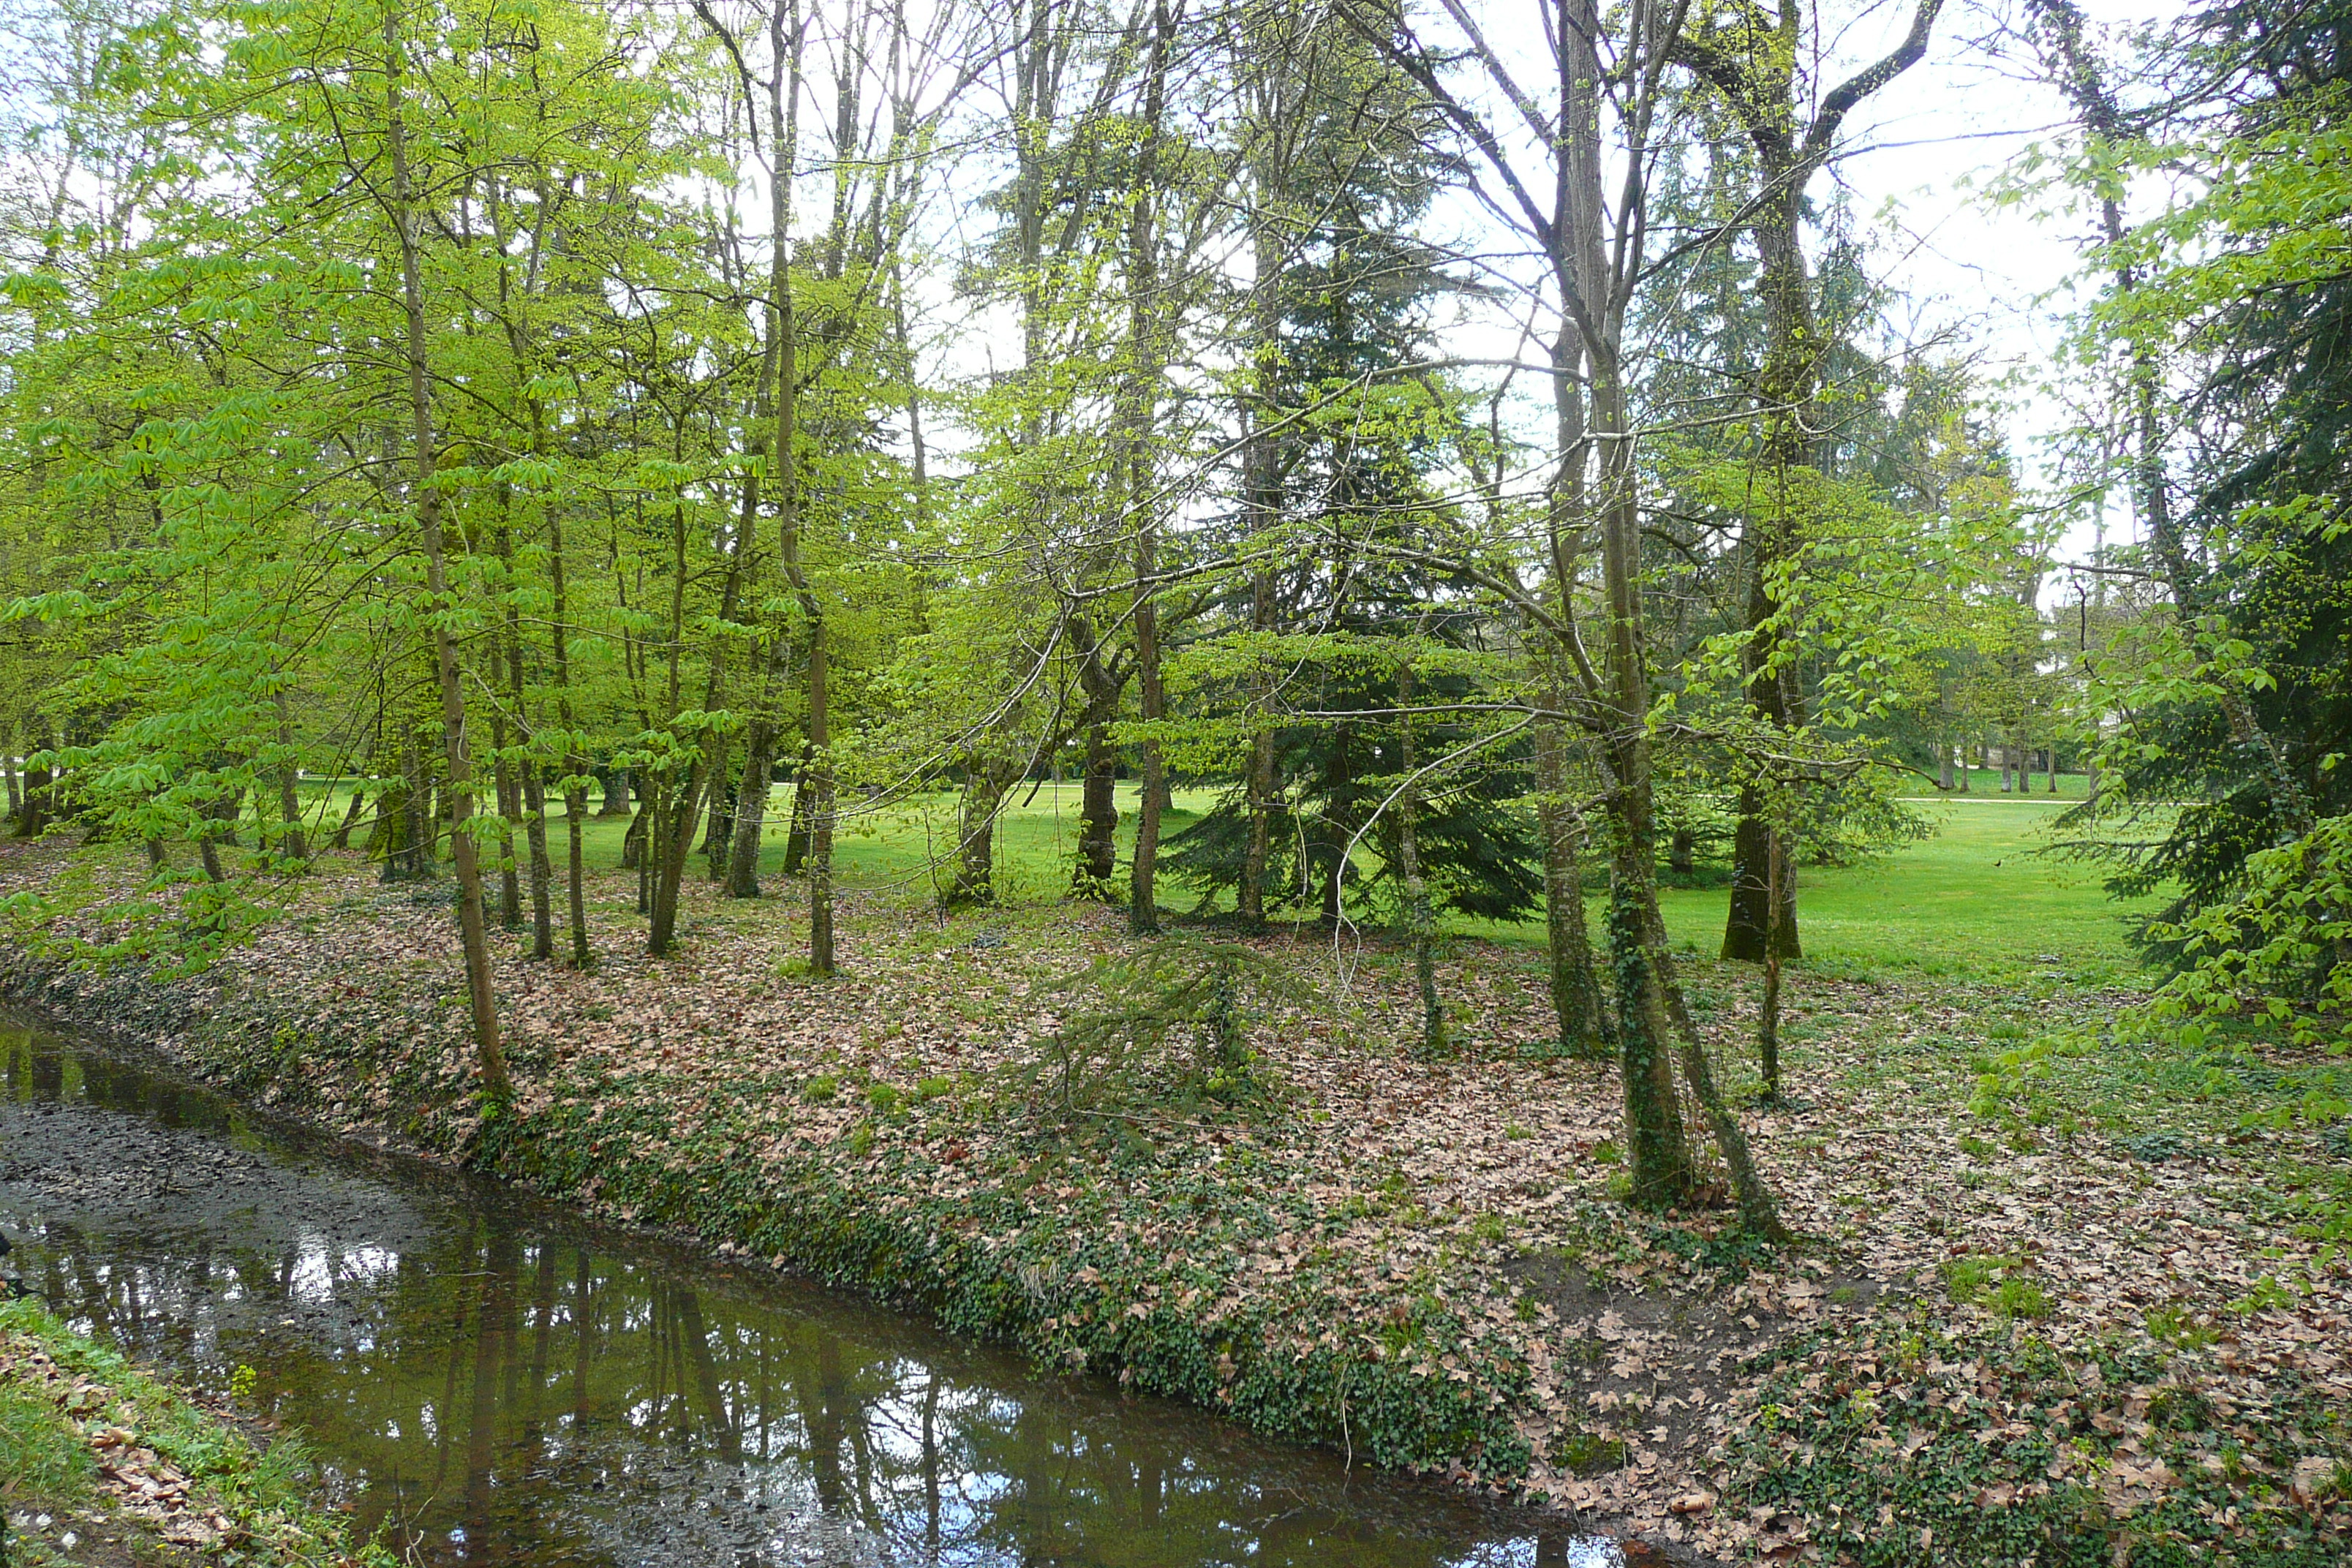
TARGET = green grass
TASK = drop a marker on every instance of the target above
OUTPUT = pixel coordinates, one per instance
(42, 1462)
(1985, 782)
(272, 1498)
(1979, 891)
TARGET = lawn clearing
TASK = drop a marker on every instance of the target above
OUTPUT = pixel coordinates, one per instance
(1983, 889)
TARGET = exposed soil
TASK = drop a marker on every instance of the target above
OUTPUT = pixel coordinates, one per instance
(1671, 1359)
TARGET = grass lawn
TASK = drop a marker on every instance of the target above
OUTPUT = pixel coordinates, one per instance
(1987, 782)
(1980, 890)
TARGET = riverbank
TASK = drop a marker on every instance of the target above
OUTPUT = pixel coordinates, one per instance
(102, 1465)
(1416, 1263)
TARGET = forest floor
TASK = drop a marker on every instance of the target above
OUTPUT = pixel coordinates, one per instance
(102, 1467)
(2101, 1316)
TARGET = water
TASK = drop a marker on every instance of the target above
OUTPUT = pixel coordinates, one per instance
(491, 1381)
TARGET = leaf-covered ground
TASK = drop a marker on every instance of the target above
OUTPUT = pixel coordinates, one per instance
(2101, 1310)
(102, 1466)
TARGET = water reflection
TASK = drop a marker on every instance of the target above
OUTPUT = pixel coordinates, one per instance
(496, 1385)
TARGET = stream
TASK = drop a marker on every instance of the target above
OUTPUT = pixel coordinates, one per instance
(490, 1379)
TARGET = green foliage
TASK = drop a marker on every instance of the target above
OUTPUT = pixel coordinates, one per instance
(1166, 1030)
(2277, 954)
(1895, 1473)
(2229, 696)
(1997, 1282)
(41, 1457)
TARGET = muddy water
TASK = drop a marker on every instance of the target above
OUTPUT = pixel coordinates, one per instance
(489, 1380)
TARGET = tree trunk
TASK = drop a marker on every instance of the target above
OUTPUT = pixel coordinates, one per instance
(1767, 1023)
(510, 808)
(1765, 88)
(673, 824)
(1142, 891)
(474, 935)
(796, 832)
(672, 841)
(1758, 1214)
(1577, 1004)
(743, 838)
(1752, 916)
(820, 853)
(745, 833)
(718, 826)
(1658, 1154)
(783, 116)
(1098, 814)
(292, 843)
(32, 813)
(208, 836)
(542, 872)
(575, 762)
(350, 815)
(615, 800)
(985, 785)
(1263, 478)
(1418, 917)
(401, 829)
(528, 791)
(1791, 363)
(1944, 765)
(641, 830)
(1098, 853)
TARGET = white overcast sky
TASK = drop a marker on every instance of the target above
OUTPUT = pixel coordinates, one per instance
(1925, 152)
(1918, 156)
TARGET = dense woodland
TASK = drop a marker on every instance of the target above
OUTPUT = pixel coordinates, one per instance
(1482, 444)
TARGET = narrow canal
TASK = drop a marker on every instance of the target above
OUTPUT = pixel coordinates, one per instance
(490, 1380)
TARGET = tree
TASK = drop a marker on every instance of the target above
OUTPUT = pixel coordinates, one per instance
(1754, 60)
(1594, 250)
(2229, 709)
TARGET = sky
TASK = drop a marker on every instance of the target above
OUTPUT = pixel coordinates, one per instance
(1923, 154)
(1918, 163)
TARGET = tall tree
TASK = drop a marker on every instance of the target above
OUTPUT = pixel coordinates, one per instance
(1754, 59)
(1594, 249)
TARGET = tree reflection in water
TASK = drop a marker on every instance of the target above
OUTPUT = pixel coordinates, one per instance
(498, 1385)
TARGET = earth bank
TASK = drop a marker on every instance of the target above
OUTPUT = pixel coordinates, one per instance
(1418, 1263)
